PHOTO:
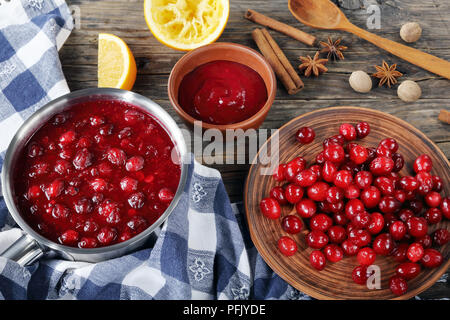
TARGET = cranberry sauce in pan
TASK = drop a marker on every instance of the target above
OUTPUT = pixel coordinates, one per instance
(97, 174)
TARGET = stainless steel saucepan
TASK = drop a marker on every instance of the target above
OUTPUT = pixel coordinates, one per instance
(32, 246)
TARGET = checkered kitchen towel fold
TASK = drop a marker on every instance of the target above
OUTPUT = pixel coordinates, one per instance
(203, 250)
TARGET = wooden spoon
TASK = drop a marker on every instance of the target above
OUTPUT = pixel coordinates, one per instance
(323, 14)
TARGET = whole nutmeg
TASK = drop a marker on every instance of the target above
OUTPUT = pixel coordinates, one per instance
(409, 91)
(410, 32)
(360, 81)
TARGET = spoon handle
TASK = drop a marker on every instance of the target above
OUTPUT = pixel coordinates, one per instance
(414, 56)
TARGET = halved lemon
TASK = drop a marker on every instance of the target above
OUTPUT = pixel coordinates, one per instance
(116, 64)
(186, 24)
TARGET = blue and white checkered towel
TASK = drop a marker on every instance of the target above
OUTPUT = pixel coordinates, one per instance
(203, 251)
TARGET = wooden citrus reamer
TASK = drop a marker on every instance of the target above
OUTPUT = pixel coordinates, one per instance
(323, 14)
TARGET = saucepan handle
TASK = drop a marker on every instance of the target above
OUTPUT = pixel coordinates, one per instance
(25, 251)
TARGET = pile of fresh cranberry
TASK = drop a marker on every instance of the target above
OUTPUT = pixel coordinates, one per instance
(357, 204)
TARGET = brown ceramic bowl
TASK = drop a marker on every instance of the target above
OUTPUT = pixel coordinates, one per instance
(230, 52)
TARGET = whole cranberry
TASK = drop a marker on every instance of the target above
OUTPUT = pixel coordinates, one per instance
(366, 256)
(116, 156)
(293, 193)
(353, 207)
(317, 239)
(389, 204)
(390, 144)
(106, 235)
(425, 241)
(425, 180)
(278, 173)
(433, 199)
(445, 207)
(336, 139)
(293, 167)
(400, 196)
(334, 194)
(347, 131)
(87, 242)
(333, 253)
(270, 208)
(352, 191)
(376, 223)
(165, 195)
(416, 206)
(317, 260)
(134, 164)
(415, 252)
(278, 194)
(305, 135)
(383, 151)
(318, 191)
(349, 247)
(137, 200)
(340, 219)
(363, 179)
(329, 171)
(372, 155)
(359, 154)
(361, 220)
(306, 208)
(398, 285)
(423, 163)
(383, 244)
(385, 185)
(397, 230)
(317, 169)
(399, 253)
(337, 207)
(360, 275)
(343, 179)
(360, 237)
(362, 129)
(69, 237)
(371, 197)
(320, 222)
(334, 153)
(287, 246)
(320, 158)
(399, 162)
(437, 183)
(431, 258)
(441, 237)
(433, 215)
(337, 234)
(292, 224)
(381, 166)
(305, 178)
(417, 227)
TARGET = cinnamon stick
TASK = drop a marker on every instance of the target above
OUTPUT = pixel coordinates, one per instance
(266, 49)
(297, 34)
(284, 61)
(444, 116)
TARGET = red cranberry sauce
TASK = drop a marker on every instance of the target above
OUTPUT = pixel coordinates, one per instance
(97, 174)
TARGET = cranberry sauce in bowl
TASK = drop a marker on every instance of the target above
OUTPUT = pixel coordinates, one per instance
(97, 174)
(222, 92)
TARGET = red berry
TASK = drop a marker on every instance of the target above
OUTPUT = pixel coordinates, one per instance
(33, 192)
(425, 241)
(116, 156)
(293, 193)
(278, 174)
(305, 178)
(134, 164)
(348, 131)
(362, 129)
(371, 197)
(361, 220)
(360, 237)
(54, 189)
(417, 227)
(385, 185)
(287, 246)
(399, 253)
(320, 222)
(352, 191)
(381, 166)
(350, 248)
(423, 163)
(405, 214)
(389, 144)
(415, 252)
(343, 179)
(165, 195)
(278, 194)
(445, 207)
(333, 253)
(360, 275)
(316, 239)
(334, 195)
(376, 223)
(431, 258)
(128, 184)
(363, 179)
(106, 235)
(433, 215)
(293, 168)
(306, 208)
(389, 204)
(86, 242)
(366, 256)
(329, 171)
(305, 135)
(383, 244)
(136, 200)
(334, 153)
(398, 285)
(441, 237)
(397, 230)
(270, 208)
(359, 154)
(98, 185)
(353, 207)
(337, 234)
(318, 191)
(433, 199)
(292, 224)
(67, 137)
(399, 162)
(69, 237)
(437, 183)
(317, 260)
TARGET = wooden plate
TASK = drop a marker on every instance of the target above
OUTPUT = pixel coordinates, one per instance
(335, 282)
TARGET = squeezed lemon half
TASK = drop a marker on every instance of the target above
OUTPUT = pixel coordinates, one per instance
(186, 24)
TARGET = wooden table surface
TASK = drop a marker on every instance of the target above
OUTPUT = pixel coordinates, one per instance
(125, 19)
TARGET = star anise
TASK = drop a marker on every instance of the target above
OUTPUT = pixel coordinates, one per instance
(313, 65)
(387, 74)
(334, 49)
